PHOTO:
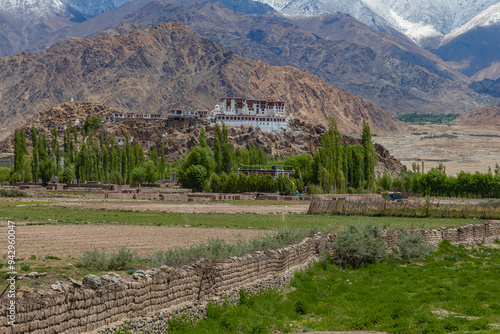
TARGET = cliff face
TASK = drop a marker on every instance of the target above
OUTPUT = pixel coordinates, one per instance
(163, 67)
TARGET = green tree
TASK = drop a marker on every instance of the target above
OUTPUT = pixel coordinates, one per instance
(47, 169)
(4, 174)
(218, 149)
(34, 158)
(20, 151)
(328, 160)
(385, 182)
(68, 174)
(151, 171)
(195, 177)
(370, 156)
(138, 175)
(198, 156)
(285, 185)
(203, 138)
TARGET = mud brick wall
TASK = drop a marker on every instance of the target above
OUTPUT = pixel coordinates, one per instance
(84, 309)
(164, 292)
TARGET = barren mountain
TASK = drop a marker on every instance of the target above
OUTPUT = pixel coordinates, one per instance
(301, 137)
(168, 66)
(483, 119)
(393, 73)
(394, 77)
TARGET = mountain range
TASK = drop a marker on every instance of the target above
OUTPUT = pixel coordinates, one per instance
(165, 67)
(390, 71)
(462, 32)
(384, 65)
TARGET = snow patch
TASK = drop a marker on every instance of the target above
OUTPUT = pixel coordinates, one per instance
(489, 17)
(417, 31)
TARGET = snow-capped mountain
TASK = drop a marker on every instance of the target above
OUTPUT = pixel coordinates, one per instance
(427, 22)
(29, 10)
(23, 22)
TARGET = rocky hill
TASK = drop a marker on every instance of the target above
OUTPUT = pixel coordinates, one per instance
(483, 119)
(164, 67)
(302, 137)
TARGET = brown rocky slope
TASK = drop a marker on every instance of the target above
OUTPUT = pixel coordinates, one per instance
(483, 119)
(300, 138)
(163, 67)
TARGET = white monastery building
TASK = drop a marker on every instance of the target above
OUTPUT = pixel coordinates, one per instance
(269, 116)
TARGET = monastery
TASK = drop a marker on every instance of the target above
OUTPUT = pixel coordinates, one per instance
(269, 116)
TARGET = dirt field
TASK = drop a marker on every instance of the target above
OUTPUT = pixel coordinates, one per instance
(179, 207)
(467, 153)
(69, 240)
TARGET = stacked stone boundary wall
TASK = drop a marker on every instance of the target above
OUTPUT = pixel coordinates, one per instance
(158, 294)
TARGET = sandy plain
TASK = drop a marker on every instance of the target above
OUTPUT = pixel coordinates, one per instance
(473, 149)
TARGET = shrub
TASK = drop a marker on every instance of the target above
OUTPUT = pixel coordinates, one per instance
(411, 245)
(125, 259)
(300, 307)
(359, 244)
(12, 193)
(94, 260)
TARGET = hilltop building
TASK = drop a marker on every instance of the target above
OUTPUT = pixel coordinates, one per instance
(269, 116)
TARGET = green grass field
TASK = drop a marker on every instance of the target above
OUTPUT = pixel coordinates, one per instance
(52, 214)
(453, 291)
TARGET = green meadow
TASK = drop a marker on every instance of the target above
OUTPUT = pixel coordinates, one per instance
(455, 290)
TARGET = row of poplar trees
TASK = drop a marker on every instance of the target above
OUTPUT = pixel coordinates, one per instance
(93, 158)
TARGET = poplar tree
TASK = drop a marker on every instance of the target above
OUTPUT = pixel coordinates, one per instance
(203, 138)
(218, 149)
(370, 156)
(227, 151)
(34, 161)
(162, 163)
(328, 160)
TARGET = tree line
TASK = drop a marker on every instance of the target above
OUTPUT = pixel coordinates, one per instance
(333, 168)
(436, 182)
(86, 155)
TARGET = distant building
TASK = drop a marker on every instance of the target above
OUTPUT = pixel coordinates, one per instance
(121, 140)
(180, 119)
(269, 116)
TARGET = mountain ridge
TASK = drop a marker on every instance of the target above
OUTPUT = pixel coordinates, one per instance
(169, 66)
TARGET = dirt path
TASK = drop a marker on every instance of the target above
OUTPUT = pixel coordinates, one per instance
(70, 240)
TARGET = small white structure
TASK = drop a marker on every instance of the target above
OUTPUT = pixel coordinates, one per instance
(77, 122)
(269, 116)
(121, 140)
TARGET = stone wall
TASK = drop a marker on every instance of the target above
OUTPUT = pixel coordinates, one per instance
(162, 293)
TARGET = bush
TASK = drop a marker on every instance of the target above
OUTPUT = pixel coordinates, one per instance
(357, 245)
(94, 260)
(125, 259)
(12, 193)
(411, 245)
